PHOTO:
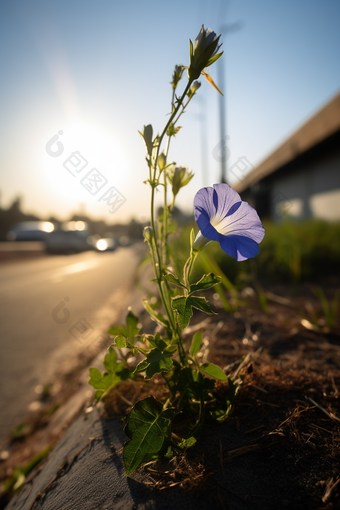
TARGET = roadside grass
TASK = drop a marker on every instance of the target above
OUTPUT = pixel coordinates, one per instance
(290, 252)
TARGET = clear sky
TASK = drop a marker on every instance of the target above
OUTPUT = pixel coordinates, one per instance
(100, 70)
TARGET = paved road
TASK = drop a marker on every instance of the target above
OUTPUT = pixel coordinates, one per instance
(41, 304)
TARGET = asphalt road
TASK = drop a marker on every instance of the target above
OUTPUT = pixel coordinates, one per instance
(50, 309)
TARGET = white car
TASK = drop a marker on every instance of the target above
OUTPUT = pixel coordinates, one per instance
(72, 237)
(30, 231)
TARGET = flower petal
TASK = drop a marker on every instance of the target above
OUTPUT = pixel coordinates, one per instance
(224, 198)
(203, 222)
(204, 200)
(242, 222)
(240, 247)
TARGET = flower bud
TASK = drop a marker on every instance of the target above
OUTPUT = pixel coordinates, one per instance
(148, 234)
(195, 86)
(161, 161)
(147, 137)
(203, 52)
(179, 176)
(177, 76)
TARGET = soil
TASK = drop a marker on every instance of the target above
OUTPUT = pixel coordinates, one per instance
(281, 446)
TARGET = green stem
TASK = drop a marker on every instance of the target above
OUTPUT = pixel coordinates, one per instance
(158, 262)
(174, 113)
(188, 268)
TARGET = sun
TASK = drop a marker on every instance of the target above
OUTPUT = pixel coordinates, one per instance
(96, 147)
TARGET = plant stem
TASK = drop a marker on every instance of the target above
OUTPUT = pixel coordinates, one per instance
(158, 260)
(174, 113)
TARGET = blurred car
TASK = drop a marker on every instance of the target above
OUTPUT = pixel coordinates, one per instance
(72, 237)
(30, 231)
(106, 244)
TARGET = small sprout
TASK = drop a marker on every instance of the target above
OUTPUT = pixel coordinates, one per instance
(193, 89)
(177, 76)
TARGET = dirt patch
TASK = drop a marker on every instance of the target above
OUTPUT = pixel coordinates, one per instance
(280, 448)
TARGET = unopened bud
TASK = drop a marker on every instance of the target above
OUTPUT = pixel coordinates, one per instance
(148, 234)
(177, 75)
(195, 86)
(161, 161)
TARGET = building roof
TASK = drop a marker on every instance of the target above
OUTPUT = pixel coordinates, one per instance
(319, 127)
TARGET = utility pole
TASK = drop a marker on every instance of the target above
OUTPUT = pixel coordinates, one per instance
(224, 29)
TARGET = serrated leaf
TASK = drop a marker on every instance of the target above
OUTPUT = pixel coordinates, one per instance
(110, 361)
(201, 304)
(173, 279)
(157, 341)
(206, 282)
(96, 380)
(116, 372)
(196, 343)
(183, 306)
(156, 361)
(120, 342)
(117, 330)
(213, 371)
(142, 365)
(129, 331)
(149, 430)
(183, 309)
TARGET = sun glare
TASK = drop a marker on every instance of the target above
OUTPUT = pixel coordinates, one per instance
(96, 148)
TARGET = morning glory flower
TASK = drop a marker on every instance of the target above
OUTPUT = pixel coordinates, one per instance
(222, 216)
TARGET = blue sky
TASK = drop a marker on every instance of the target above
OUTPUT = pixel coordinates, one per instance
(100, 70)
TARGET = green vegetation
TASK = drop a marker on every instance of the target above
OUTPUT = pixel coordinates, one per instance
(290, 251)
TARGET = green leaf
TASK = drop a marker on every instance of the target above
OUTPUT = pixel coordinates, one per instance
(96, 379)
(130, 331)
(117, 330)
(183, 309)
(213, 371)
(196, 343)
(224, 402)
(156, 361)
(157, 341)
(206, 282)
(161, 321)
(149, 430)
(183, 305)
(201, 304)
(131, 322)
(116, 372)
(214, 58)
(120, 341)
(172, 279)
(110, 361)
(187, 443)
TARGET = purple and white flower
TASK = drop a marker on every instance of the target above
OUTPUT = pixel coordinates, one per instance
(222, 216)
